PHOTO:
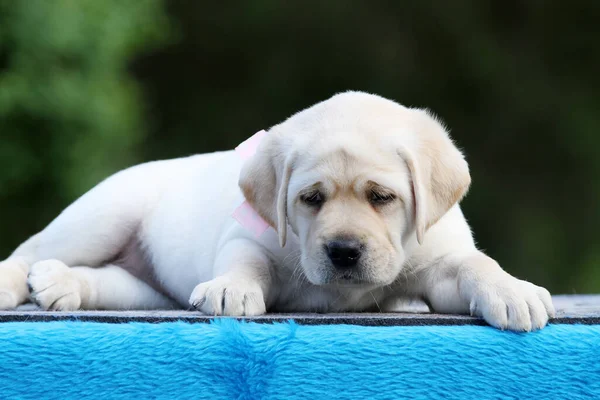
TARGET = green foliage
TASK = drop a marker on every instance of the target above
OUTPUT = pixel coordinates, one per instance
(69, 111)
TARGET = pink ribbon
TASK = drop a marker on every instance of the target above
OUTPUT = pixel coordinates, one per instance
(245, 214)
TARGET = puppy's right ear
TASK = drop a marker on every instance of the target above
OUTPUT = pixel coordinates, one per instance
(264, 181)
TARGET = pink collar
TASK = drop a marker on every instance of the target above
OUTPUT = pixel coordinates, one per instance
(245, 214)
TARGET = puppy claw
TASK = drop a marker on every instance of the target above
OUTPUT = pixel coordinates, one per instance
(473, 308)
(198, 304)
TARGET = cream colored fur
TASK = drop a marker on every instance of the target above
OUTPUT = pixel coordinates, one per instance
(160, 235)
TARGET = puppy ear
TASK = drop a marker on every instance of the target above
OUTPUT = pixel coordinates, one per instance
(264, 181)
(439, 173)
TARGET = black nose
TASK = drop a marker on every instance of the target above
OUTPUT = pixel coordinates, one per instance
(344, 253)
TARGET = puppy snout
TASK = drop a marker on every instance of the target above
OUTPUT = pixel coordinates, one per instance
(344, 253)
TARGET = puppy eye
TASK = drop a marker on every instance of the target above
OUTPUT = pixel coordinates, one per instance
(378, 198)
(312, 199)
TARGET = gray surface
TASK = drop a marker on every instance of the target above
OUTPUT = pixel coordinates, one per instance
(584, 309)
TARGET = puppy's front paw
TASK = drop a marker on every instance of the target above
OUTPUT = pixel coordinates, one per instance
(227, 296)
(54, 286)
(13, 284)
(513, 304)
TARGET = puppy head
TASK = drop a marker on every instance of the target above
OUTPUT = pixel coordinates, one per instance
(357, 178)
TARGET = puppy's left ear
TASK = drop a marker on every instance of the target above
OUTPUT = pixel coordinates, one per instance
(439, 173)
(264, 180)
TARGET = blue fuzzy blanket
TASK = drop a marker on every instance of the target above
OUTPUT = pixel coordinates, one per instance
(233, 360)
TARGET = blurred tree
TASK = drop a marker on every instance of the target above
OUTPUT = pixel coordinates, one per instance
(517, 83)
(69, 112)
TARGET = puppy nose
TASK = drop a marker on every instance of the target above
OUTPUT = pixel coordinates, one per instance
(344, 253)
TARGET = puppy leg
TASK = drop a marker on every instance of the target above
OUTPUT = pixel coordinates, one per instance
(91, 232)
(55, 286)
(242, 285)
(474, 283)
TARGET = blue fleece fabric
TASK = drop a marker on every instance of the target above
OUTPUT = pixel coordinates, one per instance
(232, 360)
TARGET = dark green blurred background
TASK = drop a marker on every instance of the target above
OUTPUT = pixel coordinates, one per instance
(88, 87)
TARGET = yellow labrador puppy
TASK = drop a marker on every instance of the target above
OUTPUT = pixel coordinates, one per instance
(362, 194)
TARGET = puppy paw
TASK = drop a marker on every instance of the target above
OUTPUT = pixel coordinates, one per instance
(54, 286)
(513, 304)
(227, 296)
(13, 284)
